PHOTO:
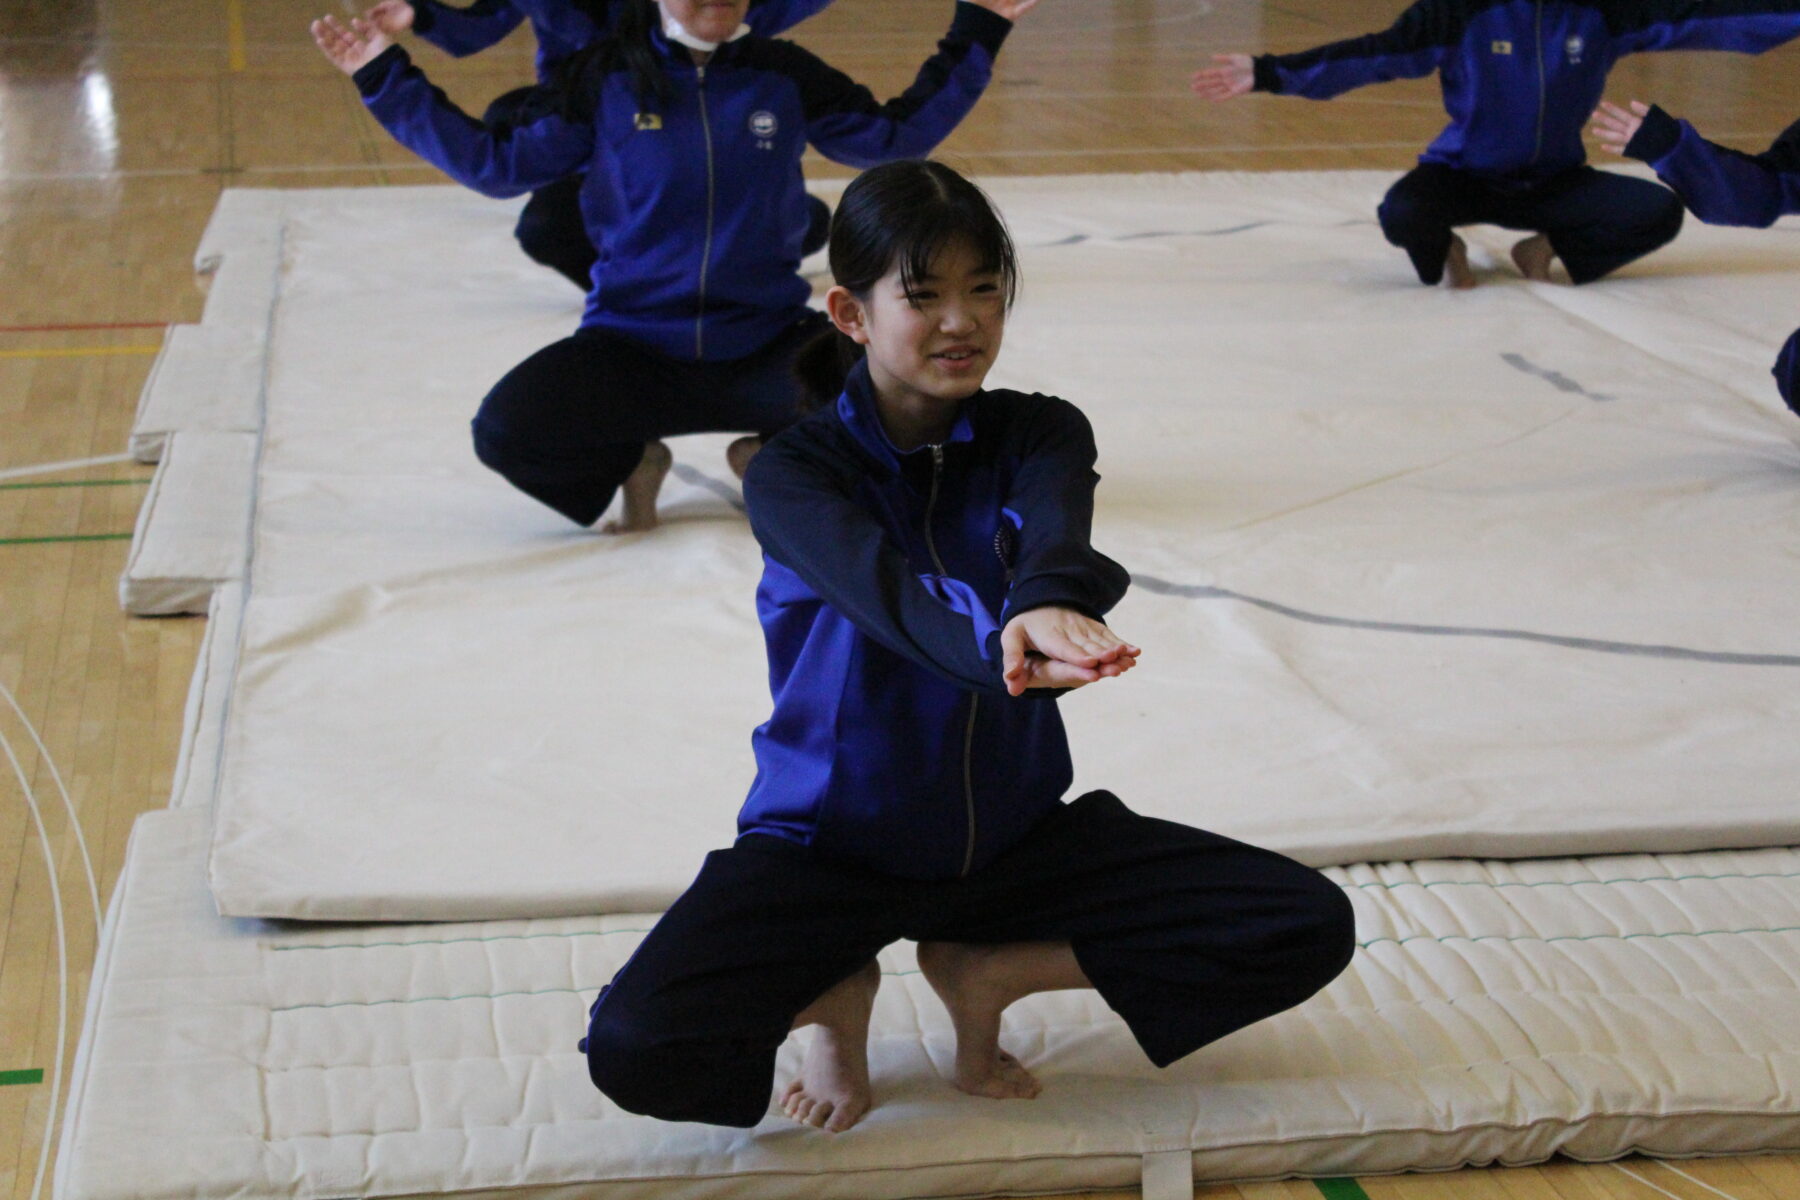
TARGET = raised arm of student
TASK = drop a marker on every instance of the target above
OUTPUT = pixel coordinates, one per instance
(456, 31)
(1412, 47)
(1746, 26)
(771, 18)
(1719, 185)
(423, 120)
(845, 121)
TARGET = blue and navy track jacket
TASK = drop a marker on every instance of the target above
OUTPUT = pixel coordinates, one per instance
(562, 26)
(697, 206)
(1719, 185)
(1521, 76)
(887, 577)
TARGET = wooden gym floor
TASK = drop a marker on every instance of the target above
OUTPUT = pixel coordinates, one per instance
(121, 121)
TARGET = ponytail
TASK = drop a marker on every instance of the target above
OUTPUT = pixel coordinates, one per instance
(627, 43)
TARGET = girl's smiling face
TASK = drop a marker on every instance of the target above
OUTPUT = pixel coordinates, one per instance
(708, 20)
(930, 341)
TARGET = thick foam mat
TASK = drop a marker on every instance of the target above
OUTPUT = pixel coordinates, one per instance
(1417, 573)
(1495, 1012)
(194, 527)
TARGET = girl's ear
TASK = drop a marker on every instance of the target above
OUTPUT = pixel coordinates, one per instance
(849, 314)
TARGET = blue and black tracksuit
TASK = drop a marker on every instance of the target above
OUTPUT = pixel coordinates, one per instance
(1722, 186)
(698, 206)
(902, 794)
(1519, 79)
(550, 229)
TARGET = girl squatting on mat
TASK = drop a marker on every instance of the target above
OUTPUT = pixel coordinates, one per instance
(693, 187)
(550, 229)
(1719, 185)
(928, 591)
(1519, 80)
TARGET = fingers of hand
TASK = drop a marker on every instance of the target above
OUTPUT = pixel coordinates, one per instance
(1640, 108)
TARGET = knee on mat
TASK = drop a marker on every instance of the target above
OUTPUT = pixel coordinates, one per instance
(1322, 939)
(651, 1077)
(1787, 372)
(1401, 215)
(1665, 223)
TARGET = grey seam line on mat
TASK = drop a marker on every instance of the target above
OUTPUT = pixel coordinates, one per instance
(1076, 239)
(1163, 587)
(1556, 379)
(700, 479)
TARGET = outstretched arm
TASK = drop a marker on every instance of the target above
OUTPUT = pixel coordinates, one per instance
(455, 31)
(846, 122)
(772, 18)
(422, 118)
(1719, 185)
(1415, 45)
(1747, 26)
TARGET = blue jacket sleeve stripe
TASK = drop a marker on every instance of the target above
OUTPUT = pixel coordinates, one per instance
(1722, 186)
(423, 120)
(847, 124)
(464, 31)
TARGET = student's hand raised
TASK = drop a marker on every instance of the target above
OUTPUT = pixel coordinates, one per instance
(1012, 10)
(392, 17)
(1060, 648)
(349, 48)
(1232, 77)
(1615, 127)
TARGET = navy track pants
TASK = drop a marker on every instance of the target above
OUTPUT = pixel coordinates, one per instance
(1596, 221)
(567, 425)
(1186, 934)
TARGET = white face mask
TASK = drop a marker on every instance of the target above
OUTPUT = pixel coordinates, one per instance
(675, 31)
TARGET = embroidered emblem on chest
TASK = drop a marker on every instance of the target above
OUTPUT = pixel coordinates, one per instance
(647, 122)
(1502, 47)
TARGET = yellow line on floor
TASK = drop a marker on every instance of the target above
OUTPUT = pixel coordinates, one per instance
(234, 33)
(79, 351)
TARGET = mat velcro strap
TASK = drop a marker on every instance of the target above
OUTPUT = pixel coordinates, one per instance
(1169, 1175)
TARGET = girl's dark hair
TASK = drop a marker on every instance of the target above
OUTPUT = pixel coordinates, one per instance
(900, 214)
(627, 43)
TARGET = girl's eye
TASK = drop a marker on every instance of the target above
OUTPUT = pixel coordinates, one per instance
(917, 298)
(982, 289)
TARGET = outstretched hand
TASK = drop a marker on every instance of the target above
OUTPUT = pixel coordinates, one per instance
(1232, 77)
(1615, 127)
(1012, 10)
(352, 47)
(1060, 648)
(392, 17)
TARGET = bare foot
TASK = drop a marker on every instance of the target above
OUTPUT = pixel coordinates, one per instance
(832, 1090)
(1532, 256)
(639, 491)
(1456, 265)
(972, 982)
(740, 452)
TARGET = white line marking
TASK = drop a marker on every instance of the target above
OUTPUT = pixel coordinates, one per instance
(71, 465)
(62, 789)
(1696, 1182)
(62, 966)
(1628, 1171)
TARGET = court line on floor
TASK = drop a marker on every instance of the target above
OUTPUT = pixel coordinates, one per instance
(73, 464)
(67, 537)
(1190, 591)
(21, 1078)
(76, 483)
(62, 791)
(1691, 1179)
(85, 328)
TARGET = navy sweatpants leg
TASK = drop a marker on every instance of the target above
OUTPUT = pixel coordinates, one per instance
(1188, 935)
(567, 425)
(1596, 221)
(1787, 372)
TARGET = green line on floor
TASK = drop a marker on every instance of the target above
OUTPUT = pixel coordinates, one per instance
(1340, 1189)
(19, 487)
(73, 537)
(14, 1078)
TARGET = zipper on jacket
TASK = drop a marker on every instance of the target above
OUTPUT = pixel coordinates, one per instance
(1537, 150)
(937, 469)
(706, 250)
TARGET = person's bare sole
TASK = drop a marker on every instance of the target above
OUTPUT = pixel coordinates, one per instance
(963, 977)
(1457, 274)
(740, 452)
(832, 1090)
(1533, 256)
(640, 489)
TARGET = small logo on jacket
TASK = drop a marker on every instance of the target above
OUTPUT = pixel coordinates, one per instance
(1575, 46)
(647, 122)
(763, 123)
(1502, 47)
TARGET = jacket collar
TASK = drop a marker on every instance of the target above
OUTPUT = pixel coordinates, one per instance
(856, 408)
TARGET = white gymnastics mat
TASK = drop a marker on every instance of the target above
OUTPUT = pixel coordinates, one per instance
(1494, 1013)
(1510, 572)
